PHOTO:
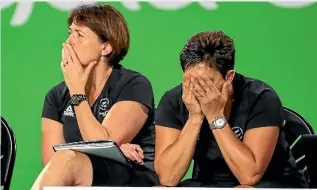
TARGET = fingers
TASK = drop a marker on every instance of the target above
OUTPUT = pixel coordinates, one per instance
(63, 67)
(186, 83)
(63, 54)
(199, 91)
(196, 94)
(225, 88)
(206, 83)
(133, 152)
(136, 157)
(72, 53)
(89, 68)
(68, 58)
(127, 154)
(209, 83)
(139, 151)
(192, 82)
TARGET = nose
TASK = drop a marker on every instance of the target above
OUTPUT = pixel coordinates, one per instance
(69, 40)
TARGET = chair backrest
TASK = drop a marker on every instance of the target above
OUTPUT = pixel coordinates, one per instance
(8, 153)
(309, 144)
(294, 126)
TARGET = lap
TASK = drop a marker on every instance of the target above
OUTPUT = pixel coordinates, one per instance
(110, 173)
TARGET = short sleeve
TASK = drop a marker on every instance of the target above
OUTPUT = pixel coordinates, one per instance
(166, 113)
(139, 89)
(51, 106)
(266, 111)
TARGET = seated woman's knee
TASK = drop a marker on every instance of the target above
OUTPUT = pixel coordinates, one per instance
(63, 158)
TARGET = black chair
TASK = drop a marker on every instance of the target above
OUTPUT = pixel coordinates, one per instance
(296, 126)
(8, 154)
(309, 144)
(299, 133)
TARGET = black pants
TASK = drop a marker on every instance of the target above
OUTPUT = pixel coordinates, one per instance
(110, 173)
(261, 184)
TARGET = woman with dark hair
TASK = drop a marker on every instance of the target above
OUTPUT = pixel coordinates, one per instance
(98, 100)
(231, 125)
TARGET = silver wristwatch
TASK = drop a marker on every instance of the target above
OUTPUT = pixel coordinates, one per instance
(218, 123)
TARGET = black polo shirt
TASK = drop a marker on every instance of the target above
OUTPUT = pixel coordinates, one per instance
(255, 105)
(122, 84)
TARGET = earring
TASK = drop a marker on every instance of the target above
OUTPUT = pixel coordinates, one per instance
(102, 57)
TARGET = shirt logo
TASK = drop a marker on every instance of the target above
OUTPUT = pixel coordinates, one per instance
(238, 132)
(104, 103)
(69, 112)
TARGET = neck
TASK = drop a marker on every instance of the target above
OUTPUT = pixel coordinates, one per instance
(98, 76)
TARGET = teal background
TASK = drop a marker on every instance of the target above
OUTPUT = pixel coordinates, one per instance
(274, 44)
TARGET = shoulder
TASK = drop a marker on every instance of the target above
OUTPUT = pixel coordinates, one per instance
(133, 86)
(127, 79)
(133, 76)
(260, 104)
(173, 98)
(57, 94)
(174, 94)
(171, 110)
(256, 89)
(176, 91)
(58, 90)
(55, 101)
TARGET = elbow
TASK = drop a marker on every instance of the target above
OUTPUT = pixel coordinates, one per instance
(168, 180)
(250, 179)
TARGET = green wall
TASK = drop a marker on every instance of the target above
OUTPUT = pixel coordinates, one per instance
(276, 44)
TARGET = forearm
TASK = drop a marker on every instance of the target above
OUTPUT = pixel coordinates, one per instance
(238, 157)
(89, 126)
(175, 160)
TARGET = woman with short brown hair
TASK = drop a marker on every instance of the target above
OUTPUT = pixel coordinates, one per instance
(112, 103)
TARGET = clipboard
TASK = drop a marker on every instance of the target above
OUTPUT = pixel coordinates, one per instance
(103, 148)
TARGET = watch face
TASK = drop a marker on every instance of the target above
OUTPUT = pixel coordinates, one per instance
(220, 122)
(75, 100)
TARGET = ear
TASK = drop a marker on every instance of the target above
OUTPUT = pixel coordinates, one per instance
(229, 76)
(106, 49)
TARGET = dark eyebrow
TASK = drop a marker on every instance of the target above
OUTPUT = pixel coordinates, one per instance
(76, 30)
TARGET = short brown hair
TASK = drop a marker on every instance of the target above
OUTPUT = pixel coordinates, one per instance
(214, 48)
(108, 23)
